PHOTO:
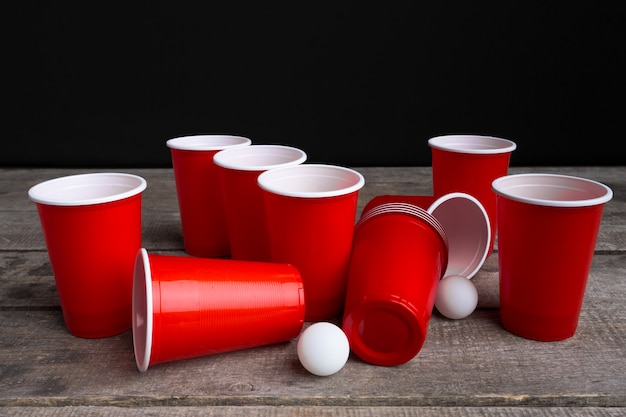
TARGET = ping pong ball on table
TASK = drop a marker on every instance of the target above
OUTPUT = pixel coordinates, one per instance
(323, 349)
(457, 297)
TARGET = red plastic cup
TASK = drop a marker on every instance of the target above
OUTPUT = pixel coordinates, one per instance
(199, 192)
(311, 212)
(239, 170)
(92, 229)
(463, 219)
(398, 257)
(469, 164)
(186, 307)
(547, 230)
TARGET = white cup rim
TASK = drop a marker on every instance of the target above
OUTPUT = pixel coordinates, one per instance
(472, 144)
(463, 260)
(555, 190)
(207, 142)
(404, 208)
(417, 213)
(142, 308)
(289, 181)
(87, 189)
(259, 157)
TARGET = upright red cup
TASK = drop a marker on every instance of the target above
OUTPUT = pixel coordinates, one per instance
(186, 307)
(239, 169)
(199, 192)
(547, 231)
(398, 257)
(311, 212)
(469, 164)
(92, 228)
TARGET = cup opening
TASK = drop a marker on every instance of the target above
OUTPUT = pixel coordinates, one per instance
(311, 181)
(142, 310)
(87, 189)
(259, 157)
(207, 142)
(552, 190)
(466, 224)
(476, 144)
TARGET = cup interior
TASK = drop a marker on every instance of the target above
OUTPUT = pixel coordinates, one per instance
(552, 190)
(467, 227)
(142, 323)
(478, 144)
(311, 181)
(259, 157)
(86, 189)
(207, 142)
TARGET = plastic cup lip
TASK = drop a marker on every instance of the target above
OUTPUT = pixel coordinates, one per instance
(311, 181)
(405, 208)
(259, 157)
(207, 142)
(472, 144)
(87, 189)
(420, 214)
(414, 212)
(142, 306)
(554, 190)
(480, 253)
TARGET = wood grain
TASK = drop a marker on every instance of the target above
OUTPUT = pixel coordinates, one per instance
(466, 367)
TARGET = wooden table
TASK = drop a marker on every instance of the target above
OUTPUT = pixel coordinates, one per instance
(466, 367)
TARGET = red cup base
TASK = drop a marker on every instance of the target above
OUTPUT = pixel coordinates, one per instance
(384, 333)
(541, 328)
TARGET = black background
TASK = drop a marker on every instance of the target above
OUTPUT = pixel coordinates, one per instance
(96, 84)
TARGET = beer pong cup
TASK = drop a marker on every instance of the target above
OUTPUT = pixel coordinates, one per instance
(469, 164)
(239, 169)
(186, 307)
(462, 218)
(92, 228)
(547, 230)
(199, 191)
(311, 212)
(399, 255)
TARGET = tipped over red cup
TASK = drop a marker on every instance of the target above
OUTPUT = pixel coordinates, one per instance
(186, 307)
(399, 255)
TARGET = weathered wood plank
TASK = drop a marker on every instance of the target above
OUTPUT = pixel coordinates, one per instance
(293, 411)
(27, 282)
(468, 367)
(471, 362)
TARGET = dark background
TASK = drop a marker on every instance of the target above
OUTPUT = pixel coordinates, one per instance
(96, 84)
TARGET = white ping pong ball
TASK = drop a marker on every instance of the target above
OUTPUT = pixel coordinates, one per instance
(457, 297)
(323, 349)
